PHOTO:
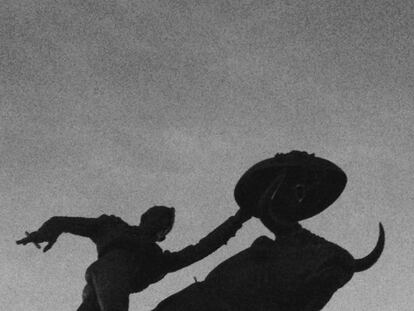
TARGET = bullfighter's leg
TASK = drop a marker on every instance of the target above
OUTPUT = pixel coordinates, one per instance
(89, 301)
(110, 278)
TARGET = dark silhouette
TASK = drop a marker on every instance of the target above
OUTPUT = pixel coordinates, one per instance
(298, 271)
(129, 260)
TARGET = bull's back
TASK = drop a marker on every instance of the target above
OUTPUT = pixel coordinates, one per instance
(268, 275)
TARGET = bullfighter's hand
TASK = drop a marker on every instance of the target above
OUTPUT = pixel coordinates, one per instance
(47, 233)
(38, 237)
(243, 214)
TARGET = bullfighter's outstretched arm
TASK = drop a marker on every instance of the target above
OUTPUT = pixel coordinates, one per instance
(52, 228)
(214, 240)
(81, 226)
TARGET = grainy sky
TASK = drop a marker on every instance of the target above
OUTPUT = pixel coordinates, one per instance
(111, 106)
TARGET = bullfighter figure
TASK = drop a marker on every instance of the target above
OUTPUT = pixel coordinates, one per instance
(129, 260)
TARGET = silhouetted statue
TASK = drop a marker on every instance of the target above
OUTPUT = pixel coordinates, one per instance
(298, 270)
(129, 260)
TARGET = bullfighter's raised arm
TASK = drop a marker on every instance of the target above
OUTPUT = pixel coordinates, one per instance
(214, 240)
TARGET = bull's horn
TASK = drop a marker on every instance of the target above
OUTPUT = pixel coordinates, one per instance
(367, 262)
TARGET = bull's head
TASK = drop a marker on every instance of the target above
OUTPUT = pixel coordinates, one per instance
(334, 271)
(280, 225)
(333, 266)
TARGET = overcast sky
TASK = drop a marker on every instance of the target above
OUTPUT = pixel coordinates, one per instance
(112, 106)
